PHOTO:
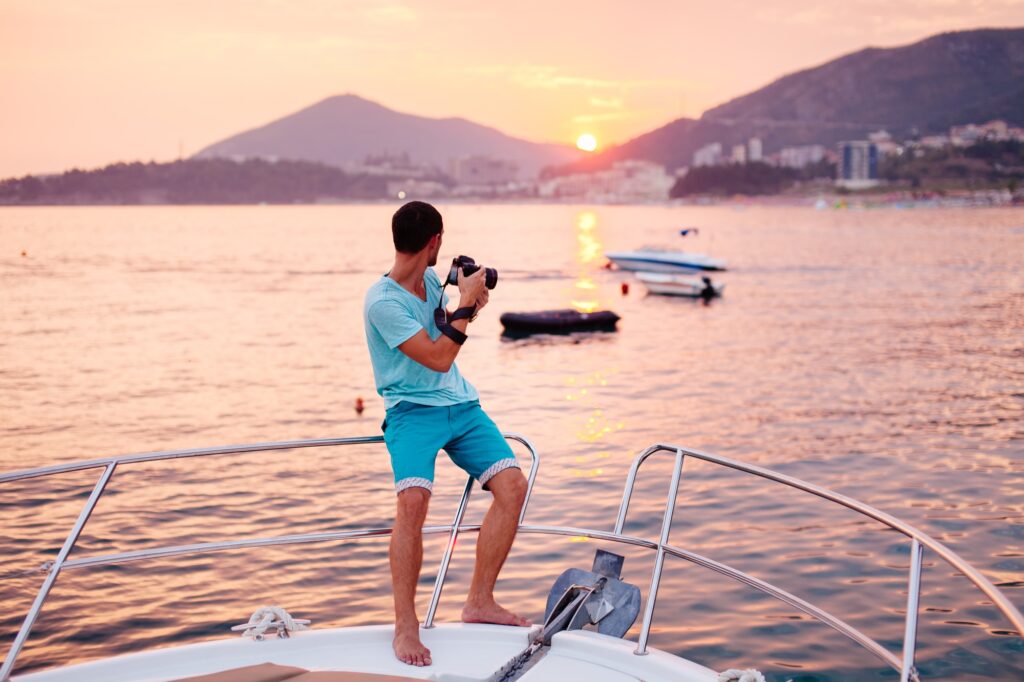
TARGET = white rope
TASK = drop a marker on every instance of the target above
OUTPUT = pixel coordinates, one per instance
(267, 617)
(748, 675)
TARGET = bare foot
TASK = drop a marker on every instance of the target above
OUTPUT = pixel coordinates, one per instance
(408, 647)
(491, 613)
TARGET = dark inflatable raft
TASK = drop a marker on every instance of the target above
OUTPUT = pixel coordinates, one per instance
(558, 322)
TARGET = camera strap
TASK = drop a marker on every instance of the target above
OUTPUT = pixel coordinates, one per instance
(464, 313)
(441, 319)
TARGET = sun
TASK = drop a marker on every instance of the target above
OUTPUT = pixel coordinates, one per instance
(586, 142)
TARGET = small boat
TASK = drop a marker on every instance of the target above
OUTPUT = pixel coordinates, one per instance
(676, 285)
(558, 322)
(663, 260)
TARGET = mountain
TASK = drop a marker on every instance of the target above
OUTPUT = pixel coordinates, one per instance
(948, 79)
(346, 129)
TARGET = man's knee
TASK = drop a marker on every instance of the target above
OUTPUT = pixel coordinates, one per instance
(509, 487)
(412, 505)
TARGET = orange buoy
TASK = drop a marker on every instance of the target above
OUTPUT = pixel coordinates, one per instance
(359, 406)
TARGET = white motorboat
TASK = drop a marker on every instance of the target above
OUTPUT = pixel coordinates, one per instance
(678, 285)
(587, 617)
(651, 259)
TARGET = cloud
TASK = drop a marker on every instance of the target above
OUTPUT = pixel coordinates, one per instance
(608, 116)
(606, 102)
(550, 78)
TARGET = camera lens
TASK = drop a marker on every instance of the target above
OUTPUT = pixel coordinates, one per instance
(468, 267)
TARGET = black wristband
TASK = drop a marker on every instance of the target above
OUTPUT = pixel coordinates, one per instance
(467, 312)
(453, 333)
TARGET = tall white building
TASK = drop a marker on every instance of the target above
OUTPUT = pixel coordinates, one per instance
(858, 165)
(755, 152)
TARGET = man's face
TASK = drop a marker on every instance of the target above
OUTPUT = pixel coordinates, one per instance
(435, 249)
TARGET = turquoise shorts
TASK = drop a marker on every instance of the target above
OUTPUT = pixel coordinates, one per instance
(414, 433)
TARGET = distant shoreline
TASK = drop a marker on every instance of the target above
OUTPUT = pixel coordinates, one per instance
(971, 199)
(224, 182)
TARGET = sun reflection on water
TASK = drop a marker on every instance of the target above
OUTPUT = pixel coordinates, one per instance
(590, 249)
(593, 425)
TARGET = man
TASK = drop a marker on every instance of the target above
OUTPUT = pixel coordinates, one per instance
(430, 407)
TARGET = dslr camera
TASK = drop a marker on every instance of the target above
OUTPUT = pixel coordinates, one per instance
(468, 267)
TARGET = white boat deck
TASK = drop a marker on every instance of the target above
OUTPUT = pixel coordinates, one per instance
(460, 653)
(585, 655)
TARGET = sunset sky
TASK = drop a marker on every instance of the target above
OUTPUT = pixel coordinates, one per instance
(90, 82)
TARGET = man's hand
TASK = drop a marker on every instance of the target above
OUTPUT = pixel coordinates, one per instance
(482, 301)
(471, 288)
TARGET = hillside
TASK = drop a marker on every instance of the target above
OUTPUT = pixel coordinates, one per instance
(948, 79)
(945, 80)
(194, 181)
(346, 129)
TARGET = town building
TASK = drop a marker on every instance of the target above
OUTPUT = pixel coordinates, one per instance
(755, 150)
(972, 133)
(393, 165)
(739, 153)
(412, 188)
(625, 181)
(483, 171)
(966, 135)
(799, 157)
(858, 164)
(996, 130)
(934, 141)
(882, 139)
(708, 155)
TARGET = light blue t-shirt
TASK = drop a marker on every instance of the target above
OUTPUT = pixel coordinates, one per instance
(392, 316)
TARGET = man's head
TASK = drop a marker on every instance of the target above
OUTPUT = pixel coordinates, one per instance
(417, 226)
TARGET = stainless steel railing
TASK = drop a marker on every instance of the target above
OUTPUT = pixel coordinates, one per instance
(904, 665)
(109, 464)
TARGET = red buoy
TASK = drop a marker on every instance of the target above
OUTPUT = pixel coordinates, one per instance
(625, 288)
(359, 406)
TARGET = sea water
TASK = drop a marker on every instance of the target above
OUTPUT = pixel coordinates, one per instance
(879, 353)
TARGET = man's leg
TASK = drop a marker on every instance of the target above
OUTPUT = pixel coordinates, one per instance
(492, 547)
(406, 554)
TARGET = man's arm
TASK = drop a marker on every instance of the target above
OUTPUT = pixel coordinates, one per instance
(439, 355)
(436, 355)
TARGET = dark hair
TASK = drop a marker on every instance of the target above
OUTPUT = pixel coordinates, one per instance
(413, 225)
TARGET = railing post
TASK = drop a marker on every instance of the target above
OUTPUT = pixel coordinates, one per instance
(627, 491)
(908, 671)
(443, 569)
(534, 464)
(69, 543)
(659, 562)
